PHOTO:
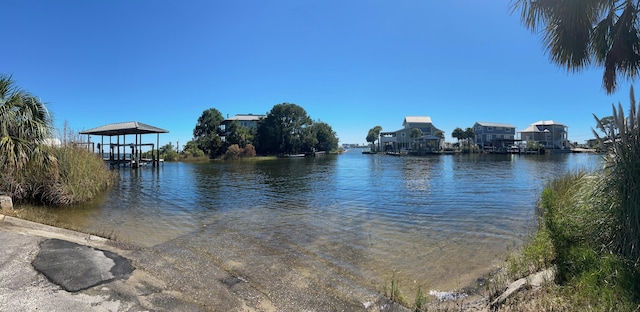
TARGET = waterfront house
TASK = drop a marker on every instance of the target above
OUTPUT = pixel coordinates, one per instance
(547, 133)
(244, 120)
(492, 136)
(430, 138)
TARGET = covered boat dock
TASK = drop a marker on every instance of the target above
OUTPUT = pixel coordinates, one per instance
(117, 156)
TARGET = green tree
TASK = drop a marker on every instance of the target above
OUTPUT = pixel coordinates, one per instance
(578, 33)
(191, 149)
(459, 134)
(207, 132)
(168, 153)
(237, 134)
(326, 138)
(309, 139)
(374, 135)
(607, 125)
(282, 130)
(25, 124)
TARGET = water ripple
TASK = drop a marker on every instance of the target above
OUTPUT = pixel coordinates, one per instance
(438, 221)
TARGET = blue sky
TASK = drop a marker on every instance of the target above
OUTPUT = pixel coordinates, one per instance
(352, 64)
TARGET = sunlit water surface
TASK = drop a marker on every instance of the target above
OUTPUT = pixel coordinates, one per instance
(439, 222)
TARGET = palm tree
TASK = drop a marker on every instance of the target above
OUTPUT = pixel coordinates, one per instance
(415, 134)
(373, 135)
(24, 125)
(458, 133)
(440, 135)
(580, 33)
(469, 133)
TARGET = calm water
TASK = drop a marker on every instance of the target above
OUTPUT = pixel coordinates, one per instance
(353, 220)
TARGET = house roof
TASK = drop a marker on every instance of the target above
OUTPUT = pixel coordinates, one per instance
(495, 124)
(123, 128)
(546, 123)
(416, 119)
(534, 126)
(245, 117)
(531, 128)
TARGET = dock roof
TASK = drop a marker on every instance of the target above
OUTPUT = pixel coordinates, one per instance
(124, 128)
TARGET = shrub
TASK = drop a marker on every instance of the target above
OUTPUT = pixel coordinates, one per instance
(249, 151)
(233, 152)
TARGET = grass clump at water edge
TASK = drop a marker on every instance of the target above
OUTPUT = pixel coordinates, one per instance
(69, 175)
(589, 230)
(576, 236)
(392, 291)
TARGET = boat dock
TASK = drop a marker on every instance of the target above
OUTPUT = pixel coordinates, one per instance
(117, 152)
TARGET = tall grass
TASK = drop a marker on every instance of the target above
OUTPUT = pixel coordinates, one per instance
(82, 174)
(576, 235)
(71, 175)
(588, 231)
(393, 291)
(623, 178)
(589, 228)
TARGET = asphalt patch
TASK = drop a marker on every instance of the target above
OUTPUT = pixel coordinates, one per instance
(76, 267)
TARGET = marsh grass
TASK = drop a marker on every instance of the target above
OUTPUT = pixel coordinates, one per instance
(577, 235)
(420, 302)
(392, 291)
(82, 175)
(589, 227)
(70, 175)
(589, 230)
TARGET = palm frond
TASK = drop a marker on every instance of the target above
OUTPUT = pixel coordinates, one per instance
(24, 124)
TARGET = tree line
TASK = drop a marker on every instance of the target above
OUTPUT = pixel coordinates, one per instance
(286, 130)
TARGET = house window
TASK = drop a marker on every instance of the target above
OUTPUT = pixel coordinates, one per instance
(489, 128)
(507, 129)
(488, 137)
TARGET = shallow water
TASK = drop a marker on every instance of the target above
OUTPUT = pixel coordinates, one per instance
(347, 222)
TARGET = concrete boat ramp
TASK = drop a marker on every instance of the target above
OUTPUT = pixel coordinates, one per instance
(43, 268)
